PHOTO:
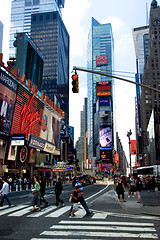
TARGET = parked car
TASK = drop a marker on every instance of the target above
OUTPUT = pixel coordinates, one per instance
(99, 177)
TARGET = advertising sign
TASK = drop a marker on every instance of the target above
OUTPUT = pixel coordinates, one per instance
(104, 89)
(36, 142)
(102, 60)
(23, 154)
(117, 158)
(28, 113)
(105, 136)
(12, 153)
(8, 89)
(133, 147)
(106, 155)
(17, 139)
(104, 104)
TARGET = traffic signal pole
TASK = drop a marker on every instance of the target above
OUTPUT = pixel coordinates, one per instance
(111, 76)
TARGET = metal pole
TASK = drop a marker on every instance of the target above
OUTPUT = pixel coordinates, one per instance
(130, 154)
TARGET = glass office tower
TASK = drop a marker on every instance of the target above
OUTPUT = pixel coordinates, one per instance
(99, 58)
(51, 36)
(21, 11)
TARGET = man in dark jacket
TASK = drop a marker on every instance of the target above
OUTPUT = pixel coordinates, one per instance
(58, 191)
(43, 188)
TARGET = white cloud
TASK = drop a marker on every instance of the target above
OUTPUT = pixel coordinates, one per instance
(73, 14)
(116, 23)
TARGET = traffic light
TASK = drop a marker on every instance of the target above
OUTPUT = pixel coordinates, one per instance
(75, 87)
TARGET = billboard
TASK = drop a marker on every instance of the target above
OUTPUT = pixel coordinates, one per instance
(133, 147)
(106, 156)
(104, 104)
(8, 89)
(103, 89)
(28, 113)
(105, 136)
(102, 60)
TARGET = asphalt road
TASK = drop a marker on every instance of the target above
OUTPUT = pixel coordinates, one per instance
(108, 220)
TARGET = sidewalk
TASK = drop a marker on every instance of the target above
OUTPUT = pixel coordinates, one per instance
(150, 203)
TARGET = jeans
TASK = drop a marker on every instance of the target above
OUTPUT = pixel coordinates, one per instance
(2, 200)
(58, 199)
(83, 203)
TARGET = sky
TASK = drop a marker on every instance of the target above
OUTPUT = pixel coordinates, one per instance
(124, 15)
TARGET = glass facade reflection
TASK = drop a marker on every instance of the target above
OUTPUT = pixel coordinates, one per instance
(100, 43)
(51, 36)
(21, 11)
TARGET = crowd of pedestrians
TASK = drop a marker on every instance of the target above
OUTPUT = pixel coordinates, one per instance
(135, 185)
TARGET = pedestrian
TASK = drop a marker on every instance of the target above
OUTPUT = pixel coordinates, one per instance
(81, 198)
(42, 191)
(75, 199)
(132, 186)
(36, 194)
(138, 187)
(4, 192)
(58, 191)
(120, 189)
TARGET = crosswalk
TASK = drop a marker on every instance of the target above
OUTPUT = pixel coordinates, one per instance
(95, 230)
(54, 212)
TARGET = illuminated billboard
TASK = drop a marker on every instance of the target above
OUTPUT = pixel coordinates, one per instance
(103, 88)
(104, 104)
(102, 60)
(28, 113)
(105, 136)
(8, 89)
(106, 156)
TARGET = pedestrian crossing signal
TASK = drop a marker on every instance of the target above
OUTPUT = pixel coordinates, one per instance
(75, 87)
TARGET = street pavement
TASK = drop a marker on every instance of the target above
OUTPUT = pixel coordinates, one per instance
(110, 219)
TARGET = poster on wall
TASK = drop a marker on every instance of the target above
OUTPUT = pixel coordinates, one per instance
(12, 153)
(8, 89)
(105, 136)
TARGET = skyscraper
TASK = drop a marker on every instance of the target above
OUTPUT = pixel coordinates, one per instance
(100, 58)
(151, 99)
(21, 11)
(51, 36)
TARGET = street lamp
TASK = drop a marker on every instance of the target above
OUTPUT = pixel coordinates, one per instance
(128, 135)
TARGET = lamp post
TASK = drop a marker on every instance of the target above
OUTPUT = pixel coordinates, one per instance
(129, 133)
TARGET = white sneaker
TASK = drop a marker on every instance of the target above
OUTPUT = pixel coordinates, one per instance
(129, 196)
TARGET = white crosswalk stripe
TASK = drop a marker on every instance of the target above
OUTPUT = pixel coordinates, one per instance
(42, 212)
(12, 209)
(59, 212)
(99, 229)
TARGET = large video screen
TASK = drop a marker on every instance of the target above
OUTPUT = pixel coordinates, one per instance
(103, 88)
(105, 136)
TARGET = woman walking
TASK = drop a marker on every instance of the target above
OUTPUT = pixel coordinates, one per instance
(120, 189)
(36, 195)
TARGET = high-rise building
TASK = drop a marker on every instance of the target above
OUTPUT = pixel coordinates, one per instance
(21, 11)
(51, 36)
(100, 58)
(149, 98)
(141, 40)
(1, 36)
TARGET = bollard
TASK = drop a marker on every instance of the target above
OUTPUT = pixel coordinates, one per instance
(26, 186)
(20, 187)
(10, 188)
(16, 188)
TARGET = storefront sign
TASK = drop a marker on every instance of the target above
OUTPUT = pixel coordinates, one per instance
(23, 154)
(49, 148)
(18, 140)
(36, 142)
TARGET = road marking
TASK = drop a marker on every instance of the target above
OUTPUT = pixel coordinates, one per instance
(59, 212)
(99, 216)
(114, 228)
(106, 223)
(3, 207)
(97, 192)
(132, 216)
(45, 210)
(11, 209)
(20, 213)
(100, 234)
(80, 213)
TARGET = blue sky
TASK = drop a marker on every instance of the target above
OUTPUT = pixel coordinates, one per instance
(124, 15)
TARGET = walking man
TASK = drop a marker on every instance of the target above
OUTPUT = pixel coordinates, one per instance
(81, 198)
(42, 190)
(4, 191)
(58, 191)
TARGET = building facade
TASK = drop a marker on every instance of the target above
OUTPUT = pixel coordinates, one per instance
(100, 88)
(21, 11)
(149, 98)
(51, 36)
